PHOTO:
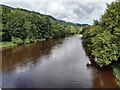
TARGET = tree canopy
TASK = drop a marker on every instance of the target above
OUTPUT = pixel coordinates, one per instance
(103, 38)
(28, 26)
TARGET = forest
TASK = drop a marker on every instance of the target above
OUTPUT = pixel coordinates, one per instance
(21, 26)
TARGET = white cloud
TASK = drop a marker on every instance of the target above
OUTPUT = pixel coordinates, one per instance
(56, 7)
(80, 11)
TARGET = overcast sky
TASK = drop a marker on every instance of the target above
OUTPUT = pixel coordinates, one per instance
(77, 11)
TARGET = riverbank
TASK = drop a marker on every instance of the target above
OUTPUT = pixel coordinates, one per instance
(116, 72)
(114, 66)
(17, 42)
(4, 45)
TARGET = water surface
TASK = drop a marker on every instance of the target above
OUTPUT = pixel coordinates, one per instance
(60, 63)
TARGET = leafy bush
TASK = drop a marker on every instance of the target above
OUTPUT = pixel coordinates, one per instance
(17, 41)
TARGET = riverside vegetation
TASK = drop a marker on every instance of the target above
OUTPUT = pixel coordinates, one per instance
(102, 39)
(20, 26)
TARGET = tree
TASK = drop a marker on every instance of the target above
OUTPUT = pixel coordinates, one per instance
(103, 37)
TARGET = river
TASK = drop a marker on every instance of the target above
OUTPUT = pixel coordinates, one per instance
(60, 63)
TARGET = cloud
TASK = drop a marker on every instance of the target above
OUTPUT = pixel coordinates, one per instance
(86, 11)
(78, 11)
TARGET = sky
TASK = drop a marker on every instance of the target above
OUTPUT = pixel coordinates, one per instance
(77, 11)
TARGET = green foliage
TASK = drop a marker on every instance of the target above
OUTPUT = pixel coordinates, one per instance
(103, 38)
(29, 26)
(17, 41)
(7, 44)
(23, 25)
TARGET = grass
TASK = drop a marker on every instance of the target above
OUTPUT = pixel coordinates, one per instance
(6, 45)
(17, 42)
(116, 72)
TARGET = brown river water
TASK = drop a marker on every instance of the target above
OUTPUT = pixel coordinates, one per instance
(60, 63)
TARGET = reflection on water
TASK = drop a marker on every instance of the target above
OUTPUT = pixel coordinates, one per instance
(22, 55)
(53, 64)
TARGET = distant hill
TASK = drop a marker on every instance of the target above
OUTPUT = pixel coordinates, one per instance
(51, 18)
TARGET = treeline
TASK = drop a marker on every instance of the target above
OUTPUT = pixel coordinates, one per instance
(23, 26)
(103, 38)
